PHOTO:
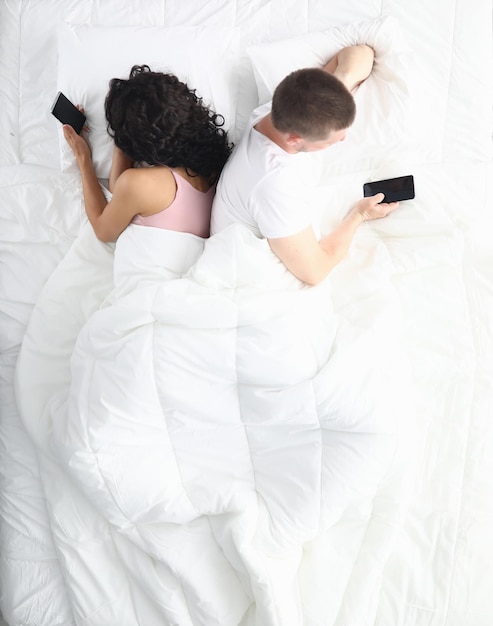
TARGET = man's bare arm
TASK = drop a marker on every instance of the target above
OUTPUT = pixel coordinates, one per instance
(352, 65)
(311, 260)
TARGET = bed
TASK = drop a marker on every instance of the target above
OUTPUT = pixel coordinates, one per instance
(190, 436)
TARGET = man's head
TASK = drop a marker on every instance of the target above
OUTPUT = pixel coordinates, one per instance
(313, 108)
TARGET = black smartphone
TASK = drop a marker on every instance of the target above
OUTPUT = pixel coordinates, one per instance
(68, 113)
(395, 189)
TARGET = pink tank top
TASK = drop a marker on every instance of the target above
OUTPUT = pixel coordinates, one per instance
(190, 211)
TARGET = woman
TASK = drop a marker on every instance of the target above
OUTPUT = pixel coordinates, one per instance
(169, 152)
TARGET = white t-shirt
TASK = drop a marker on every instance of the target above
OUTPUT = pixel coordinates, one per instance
(263, 187)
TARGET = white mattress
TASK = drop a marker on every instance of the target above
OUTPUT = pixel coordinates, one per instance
(412, 548)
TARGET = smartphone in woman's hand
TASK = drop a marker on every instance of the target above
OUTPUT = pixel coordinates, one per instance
(68, 113)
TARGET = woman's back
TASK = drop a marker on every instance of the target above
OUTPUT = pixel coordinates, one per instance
(189, 210)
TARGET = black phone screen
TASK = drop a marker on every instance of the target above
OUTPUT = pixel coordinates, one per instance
(394, 189)
(68, 113)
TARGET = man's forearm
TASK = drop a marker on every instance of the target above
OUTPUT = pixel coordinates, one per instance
(311, 260)
(336, 244)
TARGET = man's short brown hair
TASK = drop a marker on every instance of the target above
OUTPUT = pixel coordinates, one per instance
(311, 103)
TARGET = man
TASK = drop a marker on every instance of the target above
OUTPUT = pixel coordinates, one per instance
(263, 185)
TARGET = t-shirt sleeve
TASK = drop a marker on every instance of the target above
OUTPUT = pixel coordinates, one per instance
(280, 204)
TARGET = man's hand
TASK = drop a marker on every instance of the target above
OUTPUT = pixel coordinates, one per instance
(372, 207)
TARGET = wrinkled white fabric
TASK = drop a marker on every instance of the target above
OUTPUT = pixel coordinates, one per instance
(210, 390)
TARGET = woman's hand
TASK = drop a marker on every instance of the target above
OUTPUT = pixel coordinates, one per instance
(78, 143)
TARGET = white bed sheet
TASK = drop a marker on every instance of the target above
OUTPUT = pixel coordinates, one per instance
(438, 572)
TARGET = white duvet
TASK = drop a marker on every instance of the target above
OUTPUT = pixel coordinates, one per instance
(217, 418)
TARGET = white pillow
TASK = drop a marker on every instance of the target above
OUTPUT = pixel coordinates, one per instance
(206, 58)
(382, 100)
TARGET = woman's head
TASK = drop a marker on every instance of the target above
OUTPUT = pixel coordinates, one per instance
(154, 118)
(312, 103)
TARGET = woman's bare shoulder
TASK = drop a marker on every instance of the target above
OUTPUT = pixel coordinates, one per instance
(151, 188)
(137, 175)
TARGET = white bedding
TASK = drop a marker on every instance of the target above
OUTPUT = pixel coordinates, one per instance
(225, 446)
(218, 402)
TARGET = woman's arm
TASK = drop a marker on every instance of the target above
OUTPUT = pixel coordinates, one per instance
(94, 199)
(107, 219)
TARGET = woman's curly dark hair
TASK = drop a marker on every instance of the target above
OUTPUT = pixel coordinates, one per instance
(155, 119)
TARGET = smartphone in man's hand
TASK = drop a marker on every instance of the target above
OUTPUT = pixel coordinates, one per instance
(394, 189)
